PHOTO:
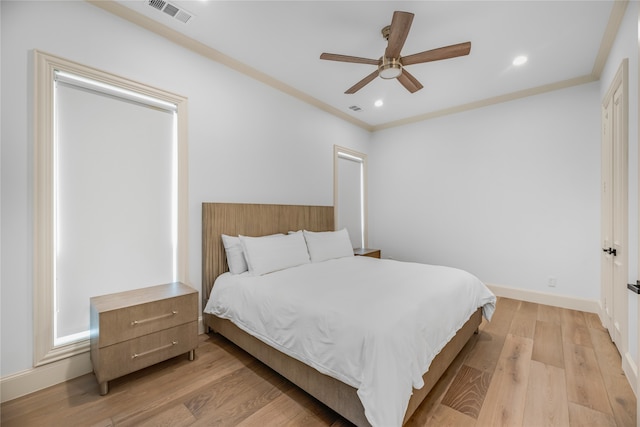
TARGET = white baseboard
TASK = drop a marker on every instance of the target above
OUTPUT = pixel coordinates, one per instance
(38, 378)
(200, 325)
(563, 301)
(34, 379)
(631, 371)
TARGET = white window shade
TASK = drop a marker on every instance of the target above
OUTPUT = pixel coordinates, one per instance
(350, 198)
(115, 192)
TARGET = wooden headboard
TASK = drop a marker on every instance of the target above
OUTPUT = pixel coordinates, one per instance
(251, 220)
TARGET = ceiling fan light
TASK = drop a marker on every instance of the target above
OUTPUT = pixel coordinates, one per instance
(520, 60)
(389, 68)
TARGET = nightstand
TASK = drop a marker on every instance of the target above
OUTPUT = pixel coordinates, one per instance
(373, 253)
(135, 329)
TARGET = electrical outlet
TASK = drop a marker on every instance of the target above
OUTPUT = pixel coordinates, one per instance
(552, 282)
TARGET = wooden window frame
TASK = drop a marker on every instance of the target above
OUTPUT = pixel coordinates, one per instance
(44, 255)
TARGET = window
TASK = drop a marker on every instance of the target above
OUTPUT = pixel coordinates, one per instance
(350, 200)
(110, 210)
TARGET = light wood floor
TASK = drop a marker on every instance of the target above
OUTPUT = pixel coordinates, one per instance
(533, 365)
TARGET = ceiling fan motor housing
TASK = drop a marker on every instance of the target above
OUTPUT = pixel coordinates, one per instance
(389, 68)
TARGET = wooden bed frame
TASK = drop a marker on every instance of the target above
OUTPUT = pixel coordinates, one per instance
(258, 220)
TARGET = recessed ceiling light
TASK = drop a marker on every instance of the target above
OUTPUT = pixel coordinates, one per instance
(519, 60)
(378, 103)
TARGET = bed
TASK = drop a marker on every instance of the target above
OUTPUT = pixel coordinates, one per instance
(337, 391)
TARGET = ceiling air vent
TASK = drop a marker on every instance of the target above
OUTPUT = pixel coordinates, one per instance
(171, 10)
(158, 4)
(183, 16)
(355, 108)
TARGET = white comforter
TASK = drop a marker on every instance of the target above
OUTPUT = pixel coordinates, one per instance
(373, 324)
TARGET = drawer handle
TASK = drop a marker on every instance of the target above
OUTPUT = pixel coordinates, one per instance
(144, 353)
(151, 319)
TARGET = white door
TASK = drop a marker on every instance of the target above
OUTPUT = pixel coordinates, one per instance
(615, 211)
(607, 219)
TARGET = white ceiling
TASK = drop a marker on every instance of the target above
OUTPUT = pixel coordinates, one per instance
(284, 39)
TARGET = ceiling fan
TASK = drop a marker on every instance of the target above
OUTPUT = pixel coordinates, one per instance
(391, 65)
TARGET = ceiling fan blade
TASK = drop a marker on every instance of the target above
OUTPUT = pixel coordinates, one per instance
(446, 52)
(409, 82)
(346, 58)
(362, 83)
(400, 25)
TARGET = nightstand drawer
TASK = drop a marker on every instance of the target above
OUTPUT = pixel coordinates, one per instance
(138, 353)
(130, 322)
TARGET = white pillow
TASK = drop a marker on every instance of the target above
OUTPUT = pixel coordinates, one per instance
(235, 254)
(326, 245)
(236, 259)
(272, 253)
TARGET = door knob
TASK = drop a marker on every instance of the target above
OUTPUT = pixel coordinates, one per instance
(610, 251)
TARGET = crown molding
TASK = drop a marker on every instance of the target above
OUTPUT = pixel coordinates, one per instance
(489, 101)
(217, 56)
(610, 33)
(615, 18)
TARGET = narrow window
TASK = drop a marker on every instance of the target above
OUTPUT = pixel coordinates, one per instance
(350, 194)
(110, 191)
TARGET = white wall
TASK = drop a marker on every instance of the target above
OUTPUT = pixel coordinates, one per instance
(508, 192)
(247, 141)
(626, 46)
